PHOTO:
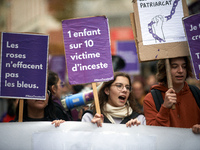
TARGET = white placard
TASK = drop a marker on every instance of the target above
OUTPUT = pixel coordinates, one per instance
(161, 21)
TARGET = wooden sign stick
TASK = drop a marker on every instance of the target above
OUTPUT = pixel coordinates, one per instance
(21, 106)
(169, 77)
(96, 98)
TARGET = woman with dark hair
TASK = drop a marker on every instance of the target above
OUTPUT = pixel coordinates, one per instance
(39, 110)
(55, 86)
(116, 103)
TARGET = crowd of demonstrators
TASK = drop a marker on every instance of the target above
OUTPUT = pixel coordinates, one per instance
(122, 102)
(55, 85)
(186, 113)
(117, 103)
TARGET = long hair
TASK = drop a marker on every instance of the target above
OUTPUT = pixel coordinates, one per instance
(103, 97)
(161, 69)
(53, 79)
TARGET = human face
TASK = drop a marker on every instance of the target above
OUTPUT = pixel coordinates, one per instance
(178, 71)
(117, 97)
(138, 90)
(38, 104)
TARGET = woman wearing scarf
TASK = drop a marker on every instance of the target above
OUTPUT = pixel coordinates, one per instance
(117, 104)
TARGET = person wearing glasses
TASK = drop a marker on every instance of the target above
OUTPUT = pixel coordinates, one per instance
(39, 110)
(55, 85)
(116, 103)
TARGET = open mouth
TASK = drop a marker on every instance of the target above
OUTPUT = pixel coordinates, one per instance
(122, 97)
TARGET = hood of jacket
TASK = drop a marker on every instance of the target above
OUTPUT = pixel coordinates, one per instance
(163, 88)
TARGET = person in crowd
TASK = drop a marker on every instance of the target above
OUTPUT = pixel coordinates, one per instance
(149, 82)
(55, 86)
(116, 104)
(39, 110)
(139, 93)
(11, 110)
(186, 113)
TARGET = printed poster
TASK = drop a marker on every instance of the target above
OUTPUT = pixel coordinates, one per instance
(23, 66)
(192, 28)
(87, 50)
(128, 52)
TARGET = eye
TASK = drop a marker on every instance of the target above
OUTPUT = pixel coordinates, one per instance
(119, 85)
(173, 66)
(128, 88)
(184, 66)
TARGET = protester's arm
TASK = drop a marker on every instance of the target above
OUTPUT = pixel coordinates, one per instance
(153, 117)
(196, 129)
(57, 122)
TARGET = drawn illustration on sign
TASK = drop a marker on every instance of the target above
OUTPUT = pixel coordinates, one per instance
(156, 25)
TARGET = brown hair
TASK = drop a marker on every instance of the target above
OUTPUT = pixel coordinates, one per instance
(161, 70)
(103, 97)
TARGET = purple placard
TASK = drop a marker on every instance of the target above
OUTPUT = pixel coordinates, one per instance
(192, 28)
(127, 50)
(87, 49)
(57, 64)
(23, 65)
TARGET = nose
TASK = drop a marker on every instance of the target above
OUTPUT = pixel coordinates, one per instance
(180, 69)
(124, 89)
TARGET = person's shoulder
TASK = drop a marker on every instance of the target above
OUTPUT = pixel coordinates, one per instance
(142, 119)
(87, 116)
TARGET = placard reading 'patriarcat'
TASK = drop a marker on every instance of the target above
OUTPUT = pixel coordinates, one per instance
(87, 49)
(158, 29)
(23, 65)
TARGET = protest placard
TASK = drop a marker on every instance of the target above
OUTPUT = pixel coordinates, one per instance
(87, 50)
(192, 29)
(128, 52)
(58, 64)
(159, 32)
(23, 65)
(158, 29)
(88, 53)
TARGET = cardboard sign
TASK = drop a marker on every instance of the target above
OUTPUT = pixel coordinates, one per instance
(87, 49)
(158, 29)
(192, 28)
(23, 65)
(128, 52)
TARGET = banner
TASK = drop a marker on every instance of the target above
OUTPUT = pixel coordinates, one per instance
(23, 65)
(87, 49)
(87, 136)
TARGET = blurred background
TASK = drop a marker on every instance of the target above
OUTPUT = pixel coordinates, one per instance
(45, 16)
